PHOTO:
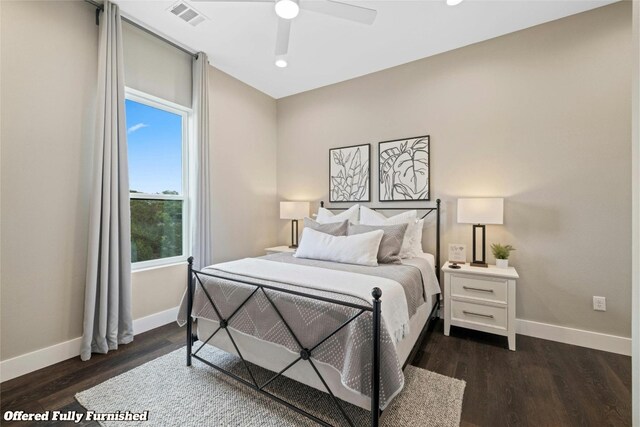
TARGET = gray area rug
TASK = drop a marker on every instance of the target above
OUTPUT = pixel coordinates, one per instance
(200, 396)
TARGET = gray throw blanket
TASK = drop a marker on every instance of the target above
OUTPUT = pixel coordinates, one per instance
(348, 351)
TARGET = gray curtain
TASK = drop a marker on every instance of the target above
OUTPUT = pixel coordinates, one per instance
(107, 309)
(202, 237)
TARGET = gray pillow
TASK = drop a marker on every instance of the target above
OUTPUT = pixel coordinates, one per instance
(333, 228)
(391, 243)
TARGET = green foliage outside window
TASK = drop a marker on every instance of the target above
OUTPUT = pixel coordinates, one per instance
(156, 228)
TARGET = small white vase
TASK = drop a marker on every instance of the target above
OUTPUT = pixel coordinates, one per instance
(502, 263)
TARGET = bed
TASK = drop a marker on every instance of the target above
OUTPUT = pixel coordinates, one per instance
(347, 330)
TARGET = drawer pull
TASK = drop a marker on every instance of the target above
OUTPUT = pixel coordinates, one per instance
(468, 288)
(471, 313)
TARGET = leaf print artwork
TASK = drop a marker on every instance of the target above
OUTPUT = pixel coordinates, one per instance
(349, 174)
(404, 169)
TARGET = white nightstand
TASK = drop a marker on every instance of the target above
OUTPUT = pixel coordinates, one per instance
(480, 298)
(279, 249)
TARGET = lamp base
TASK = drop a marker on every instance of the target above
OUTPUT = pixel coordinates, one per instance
(477, 261)
(294, 234)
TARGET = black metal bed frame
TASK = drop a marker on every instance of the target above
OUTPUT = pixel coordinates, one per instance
(193, 279)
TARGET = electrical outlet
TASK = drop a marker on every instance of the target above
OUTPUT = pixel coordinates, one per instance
(599, 303)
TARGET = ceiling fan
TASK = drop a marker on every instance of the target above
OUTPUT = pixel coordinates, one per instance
(289, 9)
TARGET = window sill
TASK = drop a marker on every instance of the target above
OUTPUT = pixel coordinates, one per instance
(154, 266)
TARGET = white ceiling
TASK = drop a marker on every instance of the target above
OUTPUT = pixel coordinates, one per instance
(239, 38)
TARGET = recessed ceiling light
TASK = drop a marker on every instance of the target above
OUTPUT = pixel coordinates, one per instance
(281, 62)
(453, 2)
(287, 9)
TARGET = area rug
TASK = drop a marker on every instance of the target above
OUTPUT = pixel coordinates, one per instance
(176, 395)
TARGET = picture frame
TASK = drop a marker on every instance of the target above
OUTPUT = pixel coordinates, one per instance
(457, 253)
(350, 174)
(404, 169)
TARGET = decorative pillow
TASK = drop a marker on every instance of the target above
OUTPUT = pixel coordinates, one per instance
(371, 217)
(391, 243)
(325, 216)
(416, 238)
(333, 228)
(359, 249)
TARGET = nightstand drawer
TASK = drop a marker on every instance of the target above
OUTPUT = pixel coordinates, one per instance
(495, 317)
(485, 289)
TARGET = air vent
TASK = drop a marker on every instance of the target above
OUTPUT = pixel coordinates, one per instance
(187, 13)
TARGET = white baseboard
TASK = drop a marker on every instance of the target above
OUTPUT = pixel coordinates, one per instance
(579, 337)
(26, 363)
(154, 320)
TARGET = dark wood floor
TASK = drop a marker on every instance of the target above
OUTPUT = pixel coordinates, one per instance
(542, 384)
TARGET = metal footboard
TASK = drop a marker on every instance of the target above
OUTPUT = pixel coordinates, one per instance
(305, 353)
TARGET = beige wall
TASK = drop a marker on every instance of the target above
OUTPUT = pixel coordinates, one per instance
(243, 133)
(48, 70)
(48, 80)
(157, 289)
(541, 117)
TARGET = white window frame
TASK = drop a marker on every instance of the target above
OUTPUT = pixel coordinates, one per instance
(186, 114)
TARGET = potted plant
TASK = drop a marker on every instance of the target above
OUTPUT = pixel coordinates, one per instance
(502, 254)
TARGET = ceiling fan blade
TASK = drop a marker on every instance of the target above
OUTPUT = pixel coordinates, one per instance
(282, 37)
(232, 1)
(336, 9)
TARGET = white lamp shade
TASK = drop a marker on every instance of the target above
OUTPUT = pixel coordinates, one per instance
(294, 210)
(483, 210)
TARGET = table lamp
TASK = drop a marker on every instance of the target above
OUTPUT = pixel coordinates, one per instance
(294, 211)
(479, 212)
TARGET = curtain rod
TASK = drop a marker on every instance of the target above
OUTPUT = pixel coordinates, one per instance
(99, 7)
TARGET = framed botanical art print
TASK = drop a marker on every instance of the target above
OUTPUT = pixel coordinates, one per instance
(350, 174)
(404, 169)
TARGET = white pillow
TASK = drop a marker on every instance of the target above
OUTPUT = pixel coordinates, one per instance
(416, 239)
(371, 217)
(325, 216)
(359, 249)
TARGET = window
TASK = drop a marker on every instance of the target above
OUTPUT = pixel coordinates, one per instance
(157, 147)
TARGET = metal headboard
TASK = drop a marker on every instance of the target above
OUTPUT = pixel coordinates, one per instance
(427, 211)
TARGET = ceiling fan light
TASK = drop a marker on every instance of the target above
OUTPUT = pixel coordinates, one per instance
(281, 62)
(453, 2)
(287, 9)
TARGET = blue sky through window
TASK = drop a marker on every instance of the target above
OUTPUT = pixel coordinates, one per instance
(154, 138)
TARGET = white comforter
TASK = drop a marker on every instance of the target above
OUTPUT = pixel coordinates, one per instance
(394, 309)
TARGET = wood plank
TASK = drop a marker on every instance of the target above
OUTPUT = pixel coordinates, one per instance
(543, 383)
